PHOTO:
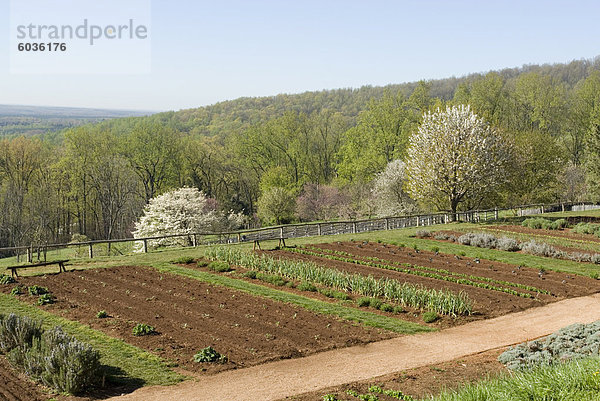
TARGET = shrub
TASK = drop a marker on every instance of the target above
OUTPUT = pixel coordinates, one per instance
(307, 286)
(423, 233)
(62, 362)
(587, 228)
(465, 239)
(595, 258)
(37, 290)
(18, 331)
(327, 292)
(220, 267)
(536, 223)
(483, 241)
(363, 302)
(271, 279)
(342, 296)
(45, 299)
(571, 342)
(430, 317)
(386, 308)
(102, 314)
(559, 224)
(142, 329)
(208, 354)
(250, 274)
(203, 263)
(4, 279)
(399, 309)
(441, 236)
(375, 303)
(184, 260)
(507, 244)
(541, 249)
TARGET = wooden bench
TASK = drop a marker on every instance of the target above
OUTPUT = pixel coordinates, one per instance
(61, 266)
(280, 245)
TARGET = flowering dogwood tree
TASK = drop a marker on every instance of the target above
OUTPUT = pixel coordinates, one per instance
(388, 191)
(181, 211)
(456, 157)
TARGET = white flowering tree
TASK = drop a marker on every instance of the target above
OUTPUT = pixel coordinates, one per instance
(455, 157)
(181, 211)
(388, 191)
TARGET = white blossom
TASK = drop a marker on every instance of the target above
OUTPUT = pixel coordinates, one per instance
(388, 191)
(455, 157)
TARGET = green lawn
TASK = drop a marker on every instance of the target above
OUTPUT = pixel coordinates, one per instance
(125, 363)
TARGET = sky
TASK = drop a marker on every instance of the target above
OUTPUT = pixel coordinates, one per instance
(202, 52)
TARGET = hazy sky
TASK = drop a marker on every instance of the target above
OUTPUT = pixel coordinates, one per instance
(208, 51)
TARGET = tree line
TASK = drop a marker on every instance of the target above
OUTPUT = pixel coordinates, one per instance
(324, 155)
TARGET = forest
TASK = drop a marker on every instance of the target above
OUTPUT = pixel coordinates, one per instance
(299, 157)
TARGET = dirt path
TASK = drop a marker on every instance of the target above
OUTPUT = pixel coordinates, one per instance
(284, 378)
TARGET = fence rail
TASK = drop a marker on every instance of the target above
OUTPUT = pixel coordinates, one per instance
(310, 229)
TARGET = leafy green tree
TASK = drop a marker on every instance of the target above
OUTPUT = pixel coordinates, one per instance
(276, 206)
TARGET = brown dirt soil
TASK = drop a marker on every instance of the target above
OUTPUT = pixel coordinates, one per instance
(16, 387)
(419, 382)
(190, 315)
(487, 303)
(287, 378)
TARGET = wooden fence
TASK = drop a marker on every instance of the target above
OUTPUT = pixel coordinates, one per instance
(306, 229)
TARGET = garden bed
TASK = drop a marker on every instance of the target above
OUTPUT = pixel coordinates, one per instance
(190, 315)
(522, 281)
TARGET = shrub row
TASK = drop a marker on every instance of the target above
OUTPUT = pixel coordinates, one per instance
(545, 224)
(51, 357)
(532, 247)
(419, 297)
(587, 228)
(571, 342)
(422, 271)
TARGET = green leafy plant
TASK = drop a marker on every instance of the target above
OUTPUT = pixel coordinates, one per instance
(430, 317)
(329, 397)
(17, 290)
(363, 302)
(4, 279)
(220, 267)
(184, 260)
(37, 290)
(102, 314)
(45, 299)
(203, 263)
(386, 308)
(142, 329)
(208, 354)
(250, 274)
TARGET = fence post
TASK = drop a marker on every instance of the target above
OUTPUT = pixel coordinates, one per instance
(280, 232)
(319, 229)
(542, 209)
(91, 250)
(496, 214)
(194, 241)
(562, 205)
(418, 221)
(30, 254)
(239, 237)
(353, 227)
(387, 223)
(145, 245)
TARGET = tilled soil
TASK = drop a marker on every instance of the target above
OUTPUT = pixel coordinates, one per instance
(15, 387)
(190, 315)
(419, 382)
(488, 303)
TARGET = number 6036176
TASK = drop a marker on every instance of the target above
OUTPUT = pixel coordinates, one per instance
(42, 47)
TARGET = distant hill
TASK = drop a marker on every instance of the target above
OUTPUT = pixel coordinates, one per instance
(233, 116)
(36, 120)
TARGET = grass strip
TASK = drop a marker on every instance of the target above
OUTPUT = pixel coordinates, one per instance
(125, 364)
(572, 381)
(347, 313)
